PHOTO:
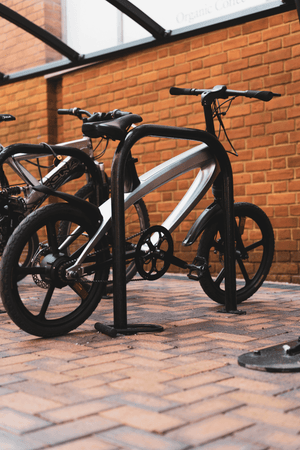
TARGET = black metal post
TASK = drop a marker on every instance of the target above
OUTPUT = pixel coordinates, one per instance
(298, 7)
(118, 226)
(118, 236)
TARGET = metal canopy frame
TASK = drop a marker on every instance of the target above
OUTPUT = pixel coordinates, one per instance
(140, 17)
(159, 34)
(38, 32)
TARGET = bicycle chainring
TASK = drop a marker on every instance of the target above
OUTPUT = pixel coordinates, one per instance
(154, 252)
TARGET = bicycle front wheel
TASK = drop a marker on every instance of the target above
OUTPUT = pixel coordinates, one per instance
(45, 303)
(254, 249)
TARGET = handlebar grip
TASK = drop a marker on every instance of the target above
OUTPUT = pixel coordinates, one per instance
(66, 111)
(183, 91)
(116, 113)
(265, 96)
(6, 117)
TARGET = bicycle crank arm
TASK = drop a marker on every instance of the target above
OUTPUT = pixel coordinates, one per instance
(178, 262)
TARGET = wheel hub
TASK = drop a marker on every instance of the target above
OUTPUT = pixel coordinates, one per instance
(55, 266)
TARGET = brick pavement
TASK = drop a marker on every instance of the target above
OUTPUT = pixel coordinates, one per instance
(177, 390)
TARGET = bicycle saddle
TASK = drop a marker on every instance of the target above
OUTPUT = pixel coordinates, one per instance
(115, 129)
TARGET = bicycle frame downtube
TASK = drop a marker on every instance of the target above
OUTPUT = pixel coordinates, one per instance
(197, 157)
(118, 225)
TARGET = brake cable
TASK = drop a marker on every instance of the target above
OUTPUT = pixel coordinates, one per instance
(218, 113)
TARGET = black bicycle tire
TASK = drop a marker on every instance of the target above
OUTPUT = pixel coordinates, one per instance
(9, 292)
(33, 246)
(86, 192)
(207, 283)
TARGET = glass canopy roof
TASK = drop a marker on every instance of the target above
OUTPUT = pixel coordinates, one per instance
(39, 37)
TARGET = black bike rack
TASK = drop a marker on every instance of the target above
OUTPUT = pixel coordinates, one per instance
(118, 224)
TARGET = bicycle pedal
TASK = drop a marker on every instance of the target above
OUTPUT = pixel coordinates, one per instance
(200, 269)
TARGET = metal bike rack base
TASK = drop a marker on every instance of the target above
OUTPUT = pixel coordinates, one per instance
(239, 312)
(118, 223)
(279, 358)
(111, 331)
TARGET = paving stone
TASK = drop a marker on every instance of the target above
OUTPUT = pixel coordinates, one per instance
(60, 433)
(263, 400)
(199, 379)
(230, 337)
(143, 419)
(148, 363)
(193, 368)
(18, 359)
(27, 403)
(18, 422)
(59, 393)
(10, 441)
(140, 440)
(231, 443)
(143, 401)
(196, 394)
(150, 354)
(16, 368)
(96, 369)
(208, 430)
(86, 383)
(271, 437)
(9, 378)
(146, 385)
(276, 418)
(54, 365)
(76, 411)
(48, 376)
(249, 385)
(206, 408)
(91, 443)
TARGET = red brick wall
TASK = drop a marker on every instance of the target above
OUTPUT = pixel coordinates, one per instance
(263, 54)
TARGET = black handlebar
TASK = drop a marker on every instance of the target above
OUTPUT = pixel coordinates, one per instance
(74, 112)
(265, 96)
(223, 92)
(95, 117)
(6, 117)
(184, 91)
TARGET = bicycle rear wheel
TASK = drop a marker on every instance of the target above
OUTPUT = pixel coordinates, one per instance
(45, 303)
(254, 250)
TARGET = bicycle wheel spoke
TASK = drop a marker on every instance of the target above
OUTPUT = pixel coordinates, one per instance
(254, 245)
(220, 277)
(46, 302)
(52, 237)
(24, 271)
(243, 270)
